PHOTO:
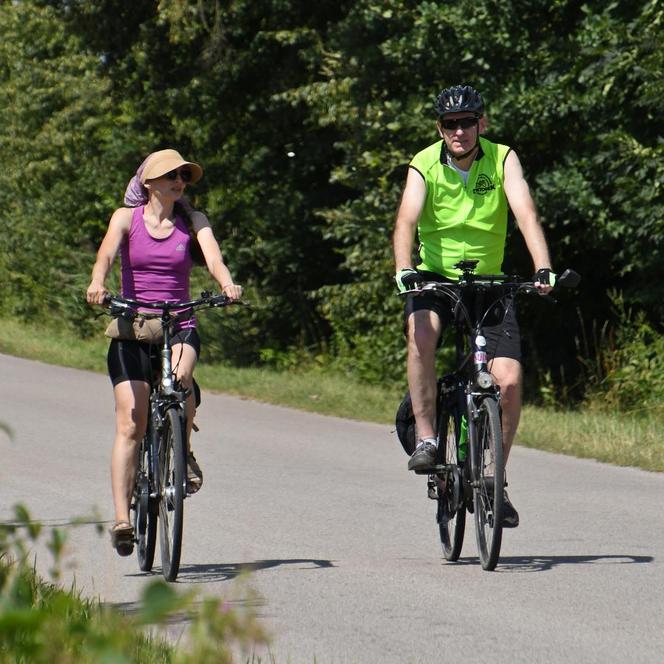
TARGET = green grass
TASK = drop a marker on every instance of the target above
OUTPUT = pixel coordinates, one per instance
(625, 440)
(612, 437)
(313, 389)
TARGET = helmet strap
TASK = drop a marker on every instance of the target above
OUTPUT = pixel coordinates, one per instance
(460, 157)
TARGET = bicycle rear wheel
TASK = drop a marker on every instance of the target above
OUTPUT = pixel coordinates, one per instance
(451, 515)
(171, 492)
(145, 511)
(489, 483)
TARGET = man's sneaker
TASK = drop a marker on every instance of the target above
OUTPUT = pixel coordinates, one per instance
(510, 515)
(194, 474)
(424, 456)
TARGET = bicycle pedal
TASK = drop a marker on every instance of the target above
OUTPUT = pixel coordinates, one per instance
(429, 470)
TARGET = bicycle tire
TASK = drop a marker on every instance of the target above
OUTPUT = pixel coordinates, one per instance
(451, 513)
(145, 511)
(171, 492)
(489, 483)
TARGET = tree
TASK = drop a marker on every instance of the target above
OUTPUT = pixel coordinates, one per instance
(60, 134)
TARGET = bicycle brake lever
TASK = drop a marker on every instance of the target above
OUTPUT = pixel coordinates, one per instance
(123, 310)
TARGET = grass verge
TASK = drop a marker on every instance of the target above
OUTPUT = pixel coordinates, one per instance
(611, 437)
(624, 440)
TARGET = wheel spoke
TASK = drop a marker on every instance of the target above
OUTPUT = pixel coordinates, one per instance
(171, 493)
(451, 514)
(145, 520)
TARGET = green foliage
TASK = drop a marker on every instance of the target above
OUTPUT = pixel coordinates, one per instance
(626, 372)
(305, 117)
(57, 128)
(592, 93)
(40, 622)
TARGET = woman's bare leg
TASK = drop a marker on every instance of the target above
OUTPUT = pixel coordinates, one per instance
(131, 413)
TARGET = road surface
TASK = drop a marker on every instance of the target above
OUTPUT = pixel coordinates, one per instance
(341, 540)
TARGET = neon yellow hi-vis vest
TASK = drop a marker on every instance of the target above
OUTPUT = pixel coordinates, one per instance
(462, 221)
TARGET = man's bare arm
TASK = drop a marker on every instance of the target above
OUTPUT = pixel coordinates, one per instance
(408, 214)
(523, 206)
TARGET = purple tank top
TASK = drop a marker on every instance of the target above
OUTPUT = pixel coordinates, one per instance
(156, 270)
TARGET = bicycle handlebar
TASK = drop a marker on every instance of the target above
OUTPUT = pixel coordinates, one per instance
(119, 306)
(508, 282)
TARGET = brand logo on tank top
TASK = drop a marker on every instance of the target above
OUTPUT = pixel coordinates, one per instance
(180, 247)
(483, 185)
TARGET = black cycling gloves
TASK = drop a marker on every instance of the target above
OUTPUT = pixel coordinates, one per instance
(408, 279)
(545, 277)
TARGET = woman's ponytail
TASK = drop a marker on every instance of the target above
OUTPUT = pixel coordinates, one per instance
(184, 209)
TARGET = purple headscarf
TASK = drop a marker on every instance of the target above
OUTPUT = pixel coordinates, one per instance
(136, 194)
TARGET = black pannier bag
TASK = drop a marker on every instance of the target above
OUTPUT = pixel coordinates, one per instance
(405, 423)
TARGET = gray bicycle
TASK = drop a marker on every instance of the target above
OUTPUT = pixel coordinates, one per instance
(161, 478)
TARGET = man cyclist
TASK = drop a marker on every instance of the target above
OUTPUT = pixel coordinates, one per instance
(456, 197)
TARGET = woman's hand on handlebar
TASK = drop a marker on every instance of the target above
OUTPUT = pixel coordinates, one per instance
(232, 291)
(96, 293)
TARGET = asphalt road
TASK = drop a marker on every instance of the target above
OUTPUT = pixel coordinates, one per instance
(341, 540)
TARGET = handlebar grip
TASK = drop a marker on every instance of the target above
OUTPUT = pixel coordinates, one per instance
(569, 279)
(219, 301)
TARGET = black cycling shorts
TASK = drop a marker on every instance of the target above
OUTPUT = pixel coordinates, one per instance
(501, 328)
(136, 360)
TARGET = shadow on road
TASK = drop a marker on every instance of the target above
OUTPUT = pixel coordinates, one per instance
(217, 572)
(546, 563)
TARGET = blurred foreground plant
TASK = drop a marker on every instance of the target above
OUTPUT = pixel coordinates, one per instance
(41, 622)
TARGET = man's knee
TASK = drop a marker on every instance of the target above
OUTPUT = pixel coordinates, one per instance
(507, 374)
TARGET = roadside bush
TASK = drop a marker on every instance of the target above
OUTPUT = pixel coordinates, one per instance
(627, 371)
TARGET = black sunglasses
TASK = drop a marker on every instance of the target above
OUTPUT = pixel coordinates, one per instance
(184, 173)
(464, 123)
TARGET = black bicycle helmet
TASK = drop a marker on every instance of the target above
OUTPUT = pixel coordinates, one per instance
(459, 98)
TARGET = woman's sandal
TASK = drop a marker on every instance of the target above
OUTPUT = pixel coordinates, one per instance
(122, 537)
(194, 474)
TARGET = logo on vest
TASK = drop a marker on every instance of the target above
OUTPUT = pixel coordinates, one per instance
(483, 185)
(180, 247)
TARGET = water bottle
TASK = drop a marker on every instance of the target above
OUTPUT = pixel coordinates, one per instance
(463, 439)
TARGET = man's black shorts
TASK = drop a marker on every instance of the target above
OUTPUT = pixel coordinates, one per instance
(501, 328)
(135, 360)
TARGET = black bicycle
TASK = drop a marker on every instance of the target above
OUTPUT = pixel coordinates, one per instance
(470, 471)
(161, 478)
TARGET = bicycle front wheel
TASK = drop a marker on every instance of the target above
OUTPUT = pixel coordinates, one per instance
(488, 483)
(171, 492)
(451, 515)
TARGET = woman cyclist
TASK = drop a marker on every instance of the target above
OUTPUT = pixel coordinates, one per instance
(158, 235)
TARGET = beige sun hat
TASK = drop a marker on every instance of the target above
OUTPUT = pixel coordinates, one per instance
(163, 161)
